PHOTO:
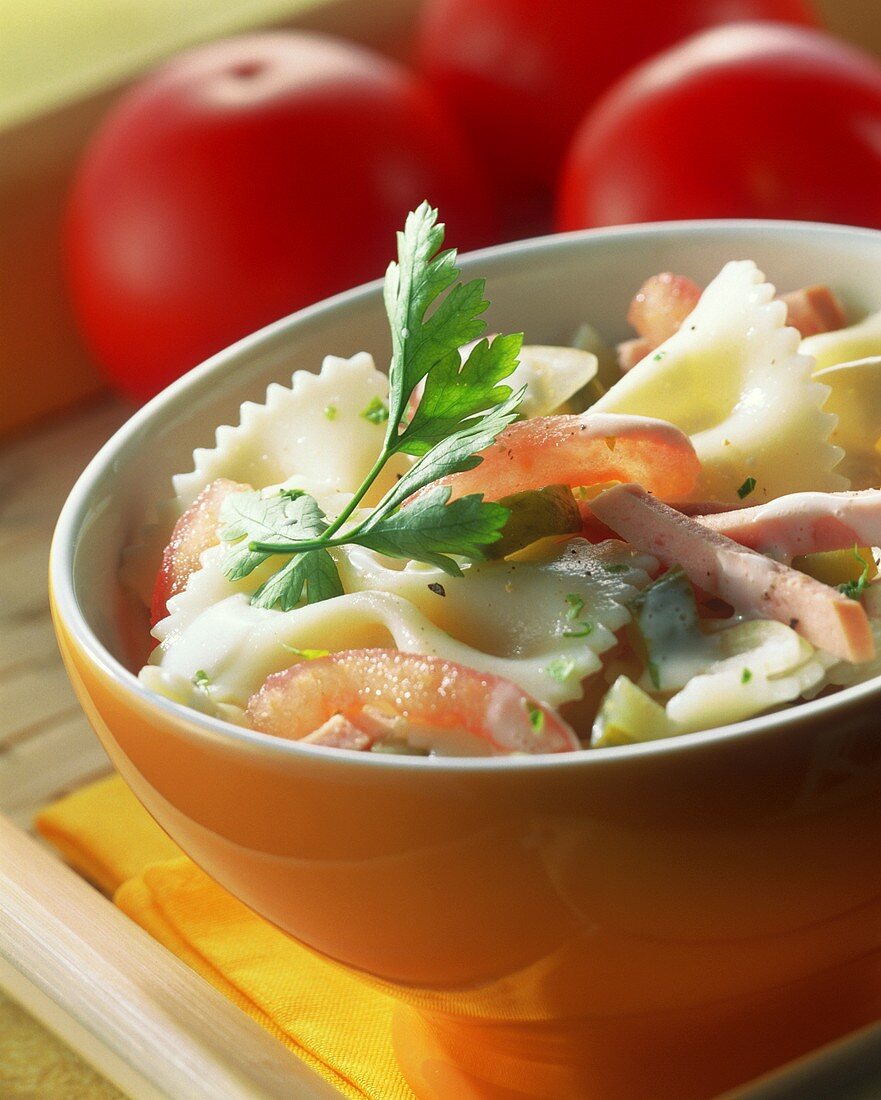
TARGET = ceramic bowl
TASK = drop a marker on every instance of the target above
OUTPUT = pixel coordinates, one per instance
(664, 920)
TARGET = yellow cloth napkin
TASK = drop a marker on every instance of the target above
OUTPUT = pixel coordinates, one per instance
(336, 1024)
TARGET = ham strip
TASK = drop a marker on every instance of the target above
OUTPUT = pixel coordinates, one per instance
(803, 523)
(813, 309)
(750, 582)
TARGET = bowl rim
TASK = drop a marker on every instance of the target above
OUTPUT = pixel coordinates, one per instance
(207, 727)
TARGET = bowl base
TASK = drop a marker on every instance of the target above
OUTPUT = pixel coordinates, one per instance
(683, 1054)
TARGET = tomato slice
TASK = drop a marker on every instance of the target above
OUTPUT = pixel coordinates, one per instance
(359, 697)
(584, 450)
(193, 534)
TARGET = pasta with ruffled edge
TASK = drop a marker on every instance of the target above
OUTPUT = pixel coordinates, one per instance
(732, 379)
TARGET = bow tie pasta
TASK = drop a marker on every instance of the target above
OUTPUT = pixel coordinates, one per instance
(449, 559)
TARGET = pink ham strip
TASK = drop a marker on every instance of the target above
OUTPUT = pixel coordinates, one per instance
(814, 309)
(751, 583)
(803, 523)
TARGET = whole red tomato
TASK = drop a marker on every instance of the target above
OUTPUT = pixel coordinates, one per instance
(245, 179)
(520, 74)
(743, 121)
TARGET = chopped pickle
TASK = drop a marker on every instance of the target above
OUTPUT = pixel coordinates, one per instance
(835, 567)
(666, 630)
(535, 514)
(628, 715)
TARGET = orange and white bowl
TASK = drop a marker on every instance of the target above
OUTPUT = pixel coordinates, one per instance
(661, 920)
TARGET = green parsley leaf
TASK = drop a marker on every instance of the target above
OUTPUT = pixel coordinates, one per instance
(251, 521)
(422, 273)
(579, 630)
(854, 589)
(560, 669)
(455, 453)
(747, 487)
(312, 572)
(201, 679)
(746, 676)
(376, 412)
(463, 409)
(536, 716)
(576, 606)
(430, 528)
(330, 412)
(455, 392)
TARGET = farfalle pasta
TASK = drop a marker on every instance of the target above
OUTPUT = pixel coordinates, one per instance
(489, 550)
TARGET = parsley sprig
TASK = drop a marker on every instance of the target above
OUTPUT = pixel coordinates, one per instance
(463, 408)
(854, 589)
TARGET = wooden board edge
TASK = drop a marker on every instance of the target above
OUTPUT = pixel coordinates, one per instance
(126, 1004)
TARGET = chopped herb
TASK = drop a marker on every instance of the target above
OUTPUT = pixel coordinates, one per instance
(536, 716)
(561, 669)
(576, 606)
(746, 676)
(463, 408)
(655, 674)
(201, 679)
(330, 412)
(579, 630)
(306, 654)
(376, 412)
(438, 589)
(747, 487)
(658, 356)
(854, 589)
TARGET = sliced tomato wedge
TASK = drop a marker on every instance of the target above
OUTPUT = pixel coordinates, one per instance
(584, 450)
(359, 697)
(661, 305)
(193, 534)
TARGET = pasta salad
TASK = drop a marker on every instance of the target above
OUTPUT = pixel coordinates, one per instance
(496, 548)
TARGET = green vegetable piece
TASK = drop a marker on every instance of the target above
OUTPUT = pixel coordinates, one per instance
(536, 716)
(575, 604)
(561, 669)
(535, 514)
(330, 411)
(376, 412)
(627, 715)
(201, 679)
(666, 626)
(747, 487)
(854, 589)
(746, 676)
